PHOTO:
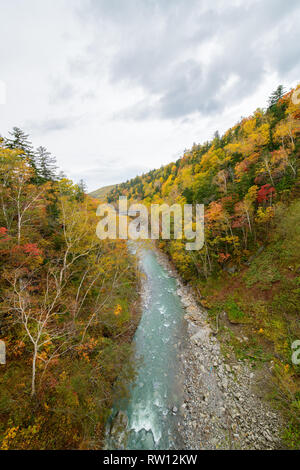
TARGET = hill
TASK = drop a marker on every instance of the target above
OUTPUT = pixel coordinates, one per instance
(102, 192)
(248, 273)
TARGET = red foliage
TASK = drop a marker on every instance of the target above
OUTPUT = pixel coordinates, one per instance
(266, 193)
(238, 222)
(3, 235)
(227, 202)
(223, 257)
(30, 249)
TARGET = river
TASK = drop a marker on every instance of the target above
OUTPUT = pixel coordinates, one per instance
(150, 418)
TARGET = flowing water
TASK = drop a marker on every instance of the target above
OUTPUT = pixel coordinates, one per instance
(149, 419)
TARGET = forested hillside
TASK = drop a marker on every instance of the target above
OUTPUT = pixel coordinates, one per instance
(67, 306)
(249, 267)
(68, 301)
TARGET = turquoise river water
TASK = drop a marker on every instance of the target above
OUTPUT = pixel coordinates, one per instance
(149, 419)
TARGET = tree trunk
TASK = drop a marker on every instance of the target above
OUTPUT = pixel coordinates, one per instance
(33, 372)
(19, 229)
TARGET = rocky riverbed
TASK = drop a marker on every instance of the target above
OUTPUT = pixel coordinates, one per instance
(224, 405)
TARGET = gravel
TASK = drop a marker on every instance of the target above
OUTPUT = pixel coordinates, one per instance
(221, 408)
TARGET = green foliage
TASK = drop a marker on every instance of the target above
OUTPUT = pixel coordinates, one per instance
(262, 272)
(292, 435)
(235, 314)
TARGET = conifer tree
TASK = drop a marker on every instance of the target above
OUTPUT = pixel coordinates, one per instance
(82, 186)
(82, 190)
(46, 164)
(19, 140)
(276, 96)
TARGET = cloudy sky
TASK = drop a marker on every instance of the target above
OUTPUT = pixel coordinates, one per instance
(114, 88)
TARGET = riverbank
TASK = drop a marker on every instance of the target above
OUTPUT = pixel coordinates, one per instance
(224, 398)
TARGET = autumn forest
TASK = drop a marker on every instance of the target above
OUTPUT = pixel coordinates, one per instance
(68, 306)
(69, 303)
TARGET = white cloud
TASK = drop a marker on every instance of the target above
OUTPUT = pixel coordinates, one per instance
(114, 88)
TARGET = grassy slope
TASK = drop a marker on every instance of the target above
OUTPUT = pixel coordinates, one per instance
(258, 312)
(102, 192)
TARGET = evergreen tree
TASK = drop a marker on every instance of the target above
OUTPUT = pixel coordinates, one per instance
(82, 190)
(276, 110)
(82, 186)
(276, 96)
(46, 164)
(19, 140)
(217, 139)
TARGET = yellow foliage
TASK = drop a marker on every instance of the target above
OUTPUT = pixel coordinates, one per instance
(264, 215)
(249, 126)
(118, 310)
(9, 437)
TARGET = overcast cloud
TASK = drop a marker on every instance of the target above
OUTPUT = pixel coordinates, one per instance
(116, 87)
